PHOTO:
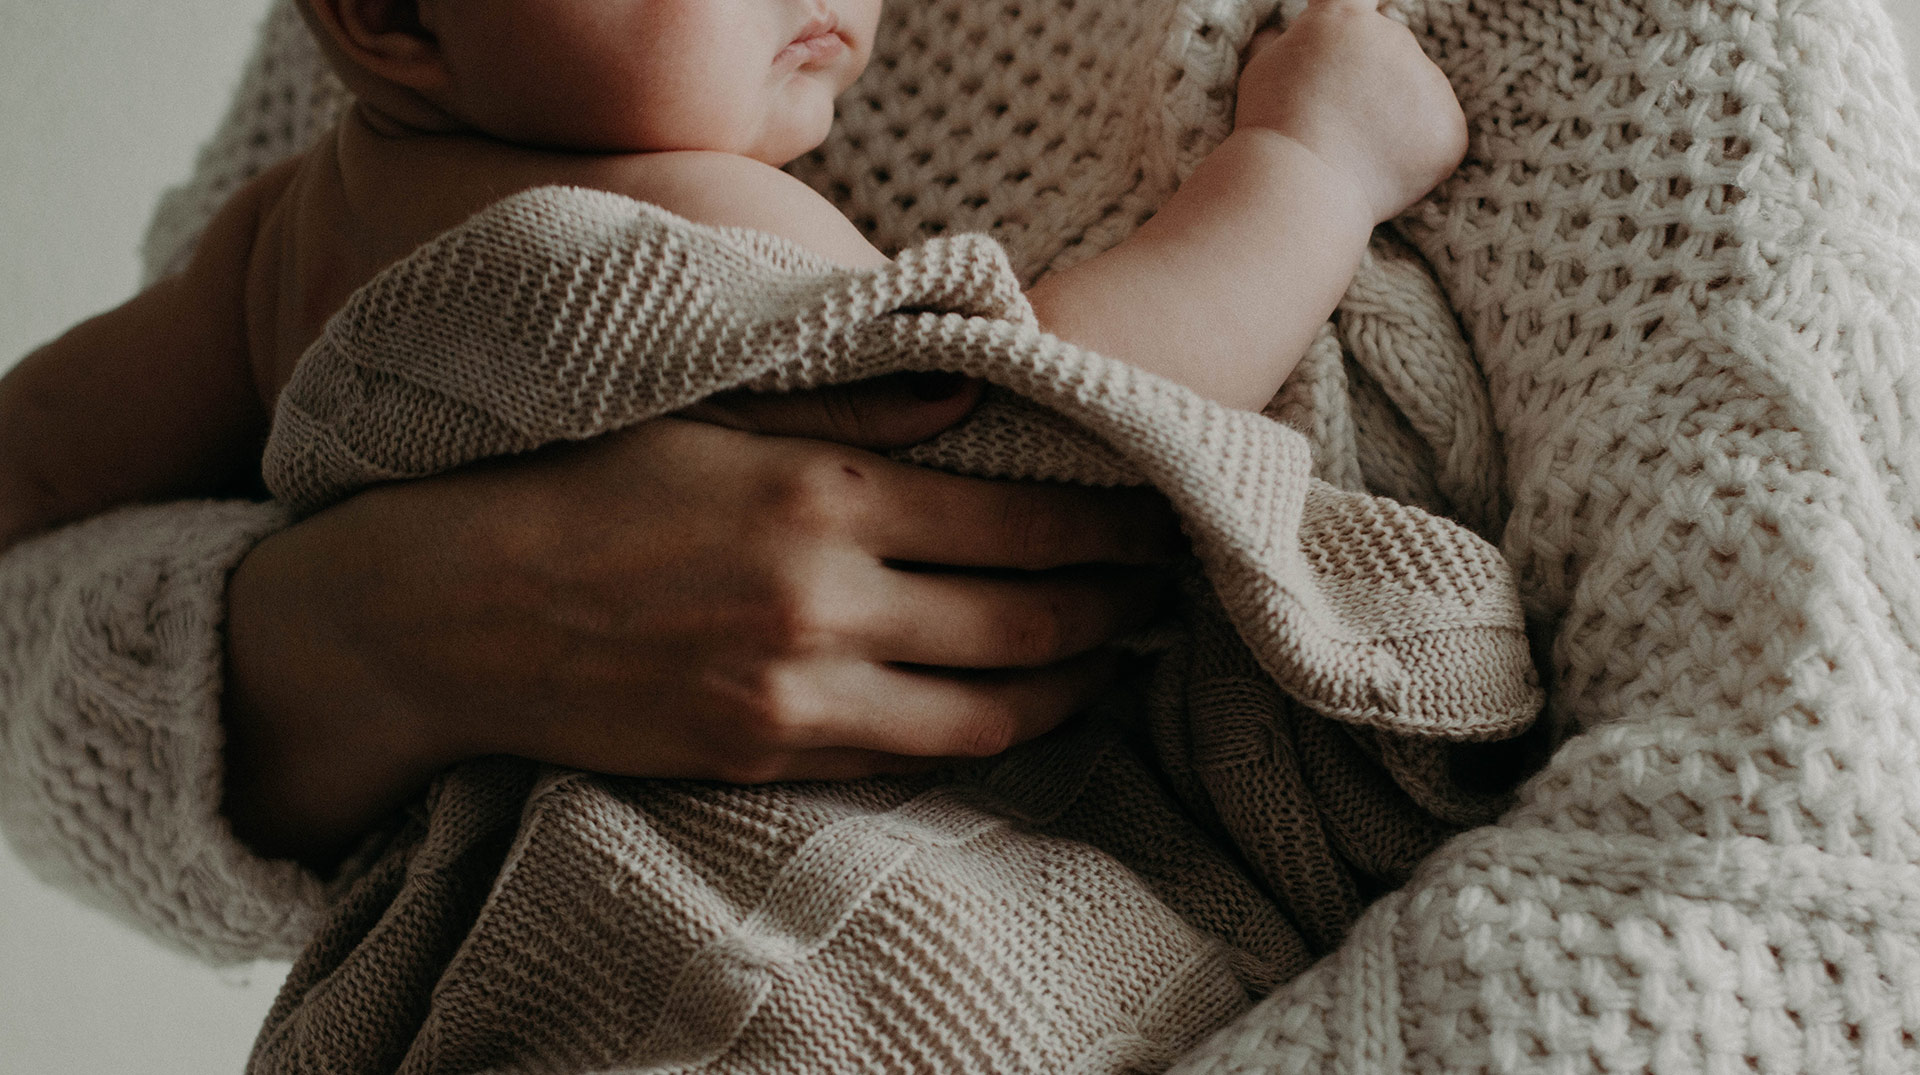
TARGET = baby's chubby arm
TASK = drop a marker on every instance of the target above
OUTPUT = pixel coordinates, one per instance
(152, 400)
(1342, 122)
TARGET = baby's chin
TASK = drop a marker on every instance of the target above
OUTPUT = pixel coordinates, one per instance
(793, 139)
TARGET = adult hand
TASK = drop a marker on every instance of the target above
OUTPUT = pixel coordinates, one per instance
(680, 599)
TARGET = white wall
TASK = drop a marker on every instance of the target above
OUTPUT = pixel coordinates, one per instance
(101, 104)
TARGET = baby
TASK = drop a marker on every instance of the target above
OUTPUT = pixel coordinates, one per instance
(692, 105)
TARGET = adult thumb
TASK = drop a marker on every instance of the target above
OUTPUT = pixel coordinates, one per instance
(885, 412)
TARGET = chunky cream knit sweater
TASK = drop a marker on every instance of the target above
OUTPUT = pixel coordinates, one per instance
(1686, 251)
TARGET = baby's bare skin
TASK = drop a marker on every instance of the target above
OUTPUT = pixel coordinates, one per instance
(1341, 124)
(364, 198)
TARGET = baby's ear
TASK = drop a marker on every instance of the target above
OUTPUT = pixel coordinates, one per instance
(385, 38)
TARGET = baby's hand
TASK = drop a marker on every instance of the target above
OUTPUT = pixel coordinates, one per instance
(1354, 87)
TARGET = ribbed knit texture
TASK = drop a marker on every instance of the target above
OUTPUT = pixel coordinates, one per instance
(1684, 251)
(909, 925)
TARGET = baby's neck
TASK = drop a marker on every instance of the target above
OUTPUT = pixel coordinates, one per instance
(406, 118)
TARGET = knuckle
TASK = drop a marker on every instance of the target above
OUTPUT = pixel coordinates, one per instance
(815, 497)
(845, 414)
(796, 619)
(773, 710)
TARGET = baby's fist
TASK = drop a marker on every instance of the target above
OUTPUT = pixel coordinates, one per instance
(1354, 87)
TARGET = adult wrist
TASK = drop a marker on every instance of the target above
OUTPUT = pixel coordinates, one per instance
(316, 753)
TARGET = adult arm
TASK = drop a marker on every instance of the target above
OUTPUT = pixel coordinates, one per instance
(681, 599)
(421, 623)
(74, 441)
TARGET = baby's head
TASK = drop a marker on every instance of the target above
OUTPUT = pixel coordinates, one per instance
(752, 77)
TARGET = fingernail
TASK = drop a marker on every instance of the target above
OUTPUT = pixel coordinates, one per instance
(936, 386)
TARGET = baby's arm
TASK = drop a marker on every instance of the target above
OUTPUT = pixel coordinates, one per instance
(153, 400)
(1342, 123)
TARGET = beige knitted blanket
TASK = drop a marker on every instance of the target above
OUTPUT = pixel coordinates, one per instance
(1686, 255)
(606, 923)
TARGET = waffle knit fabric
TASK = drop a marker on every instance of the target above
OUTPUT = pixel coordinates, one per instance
(1684, 250)
(765, 929)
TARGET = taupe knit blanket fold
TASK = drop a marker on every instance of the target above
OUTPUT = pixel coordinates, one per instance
(1226, 833)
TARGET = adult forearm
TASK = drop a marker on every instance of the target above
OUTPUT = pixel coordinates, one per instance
(147, 402)
(1224, 289)
(674, 600)
(318, 750)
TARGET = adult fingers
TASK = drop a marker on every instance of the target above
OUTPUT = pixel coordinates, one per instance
(881, 413)
(901, 512)
(933, 713)
(962, 620)
(915, 515)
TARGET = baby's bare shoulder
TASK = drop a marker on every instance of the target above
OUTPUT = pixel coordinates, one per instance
(726, 190)
(229, 237)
